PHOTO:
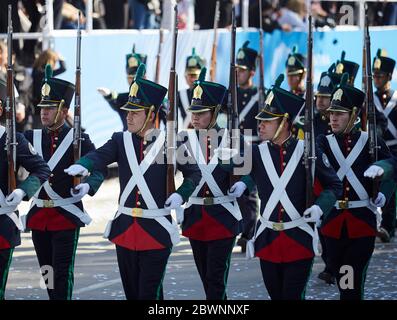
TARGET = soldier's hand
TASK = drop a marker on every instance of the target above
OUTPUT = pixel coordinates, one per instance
(380, 200)
(15, 197)
(373, 172)
(82, 189)
(313, 214)
(76, 170)
(237, 189)
(174, 201)
(104, 91)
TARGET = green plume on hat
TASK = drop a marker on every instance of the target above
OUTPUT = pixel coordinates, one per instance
(342, 58)
(202, 75)
(133, 48)
(246, 43)
(48, 72)
(193, 51)
(294, 49)
(140, 72)
(279, 81)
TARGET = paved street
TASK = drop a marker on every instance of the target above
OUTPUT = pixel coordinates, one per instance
(97, 276)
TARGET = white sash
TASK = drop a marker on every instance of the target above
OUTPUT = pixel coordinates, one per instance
(389, 108)
(52, 163)
(137, 179)
(207, 177)
(279, 194)
(184, 123)
(248, 107)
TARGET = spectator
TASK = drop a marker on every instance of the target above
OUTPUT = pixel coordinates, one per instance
(294, 14)
(70, 11)
(114, 14)
(3, 61)
(205, 13)
(143, 13)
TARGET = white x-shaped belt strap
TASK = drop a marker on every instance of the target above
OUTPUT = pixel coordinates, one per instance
(389, 108)
(206, 172)
(248, 107)
(345, 164)
(137, 179)
(52, 163)
(279, 193)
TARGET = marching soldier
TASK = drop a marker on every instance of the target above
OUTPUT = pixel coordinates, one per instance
(350, 228)
(247, 102)
(57, 212)
(142, 229)
(296, 72)
(10, 224)
(117, 100)
(286, 239)
(194, 64)
(385, 100)
(212, 215)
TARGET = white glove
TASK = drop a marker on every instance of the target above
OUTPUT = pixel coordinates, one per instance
(76, 170)
(82, 189)
(237, 189)
(380, 200)
(15, 197)
(225, 153)
(174, 201)
(373, 172)
(104, 91)
(313, 214)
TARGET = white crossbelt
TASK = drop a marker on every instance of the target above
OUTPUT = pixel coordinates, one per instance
(137, 179)
(55, 199)
(4, 208)
(389, 108)
(231, 204)
(184, 123)
(279, 194)
(248, 107)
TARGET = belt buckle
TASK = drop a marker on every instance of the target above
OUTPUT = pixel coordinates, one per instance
(137, 212)
(343, 204)
(208, 201)
(278, 226)
(48, 203)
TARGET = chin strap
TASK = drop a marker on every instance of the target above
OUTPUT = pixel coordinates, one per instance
(280, 127)
(350, 124)
(151, 109)
(214, 117)
(57, 125)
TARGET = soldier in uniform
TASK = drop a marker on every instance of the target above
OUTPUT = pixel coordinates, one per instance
(346, 66)
(247, 102)
(296, 72)
(117, 100)
(350, 228)
(10, 224)
(57, 212)
(385, 100)
(194, 64)
(142, 229)
(286, 239)
(212, 215)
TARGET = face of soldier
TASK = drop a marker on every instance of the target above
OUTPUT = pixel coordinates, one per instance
(339, 121)
(267, 129)
(130, 78)
(380, 79)
(322, 103)
(244, 76)
(201, 120)
(136, 120)
(294, 81)
(190, 78)
(48, 116)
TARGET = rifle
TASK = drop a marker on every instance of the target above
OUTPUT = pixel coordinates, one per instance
(172, 112)
(77, 105)
(214, 44)
(261, 58)
(369, 95)
(11, 143)
(364, 116)
(310, 151)
(157, 74)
